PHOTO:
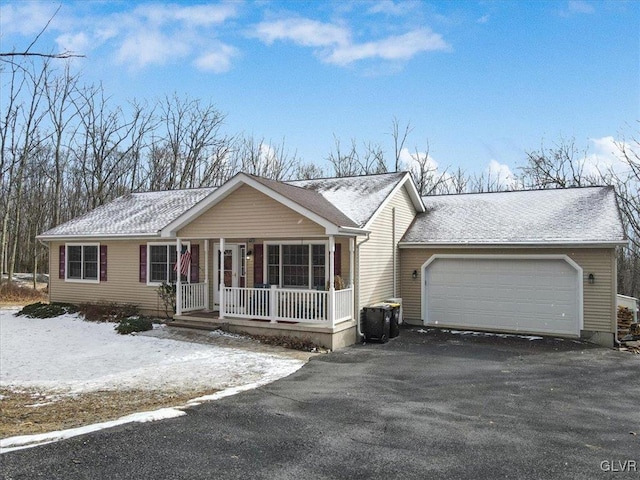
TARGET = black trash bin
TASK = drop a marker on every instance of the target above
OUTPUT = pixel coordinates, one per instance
(376, 323)
(394, 327)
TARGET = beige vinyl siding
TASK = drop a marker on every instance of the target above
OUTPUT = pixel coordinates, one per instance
(598, 299)
(376, 255)
(122, 285)
(248, 213)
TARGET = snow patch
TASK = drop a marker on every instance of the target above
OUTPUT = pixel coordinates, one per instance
(67, 356)
(482, 334)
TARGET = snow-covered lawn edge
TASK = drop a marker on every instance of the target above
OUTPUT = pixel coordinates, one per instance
(66, 356)
(20, 442)
(27, 441)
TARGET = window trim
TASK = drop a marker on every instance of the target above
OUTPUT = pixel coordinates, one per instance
(309, 243)
(151, 283)
(66, 263)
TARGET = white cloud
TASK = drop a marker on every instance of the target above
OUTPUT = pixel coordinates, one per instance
(139, 36)
(334, 43)
(400, 47)
(218, 60)
(483, 19)
(145, 48)
(305, 32)
(501, 174)
(26, 18)
(197, 15)
(74, 42)
(580, 6)
(605, 157)
(389, 7)
(410, 159)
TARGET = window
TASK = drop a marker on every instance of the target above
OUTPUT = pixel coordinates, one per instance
(82, 262)
(301, 265)
(162, 260)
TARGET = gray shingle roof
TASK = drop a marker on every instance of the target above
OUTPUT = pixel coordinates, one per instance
(573, 215)
(356, 197)
(132, 214)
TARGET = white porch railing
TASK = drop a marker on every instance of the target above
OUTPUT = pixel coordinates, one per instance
(287, 304)
(344, 304)
(194, 296)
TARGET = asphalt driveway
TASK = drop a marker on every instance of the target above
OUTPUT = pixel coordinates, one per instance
(432, 405)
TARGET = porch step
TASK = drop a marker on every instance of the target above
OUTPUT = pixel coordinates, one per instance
(197, 324)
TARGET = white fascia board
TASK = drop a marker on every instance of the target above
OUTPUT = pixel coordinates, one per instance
(607, 244)
(413, 194)
(229, 187)
(353, 231)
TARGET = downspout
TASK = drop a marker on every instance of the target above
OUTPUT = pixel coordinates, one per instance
(357, 290)
(616, 342)
(393, 251)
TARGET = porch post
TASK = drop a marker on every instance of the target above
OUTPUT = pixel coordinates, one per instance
(206, 274)
(332, 286)
(221, 285)
(178, 275)
(352, 249)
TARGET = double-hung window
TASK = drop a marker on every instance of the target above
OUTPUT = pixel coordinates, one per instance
(297, 265)
(161, 262)
(83, 262)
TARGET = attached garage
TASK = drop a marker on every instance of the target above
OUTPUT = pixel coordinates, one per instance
(537, 261)
(528, 294)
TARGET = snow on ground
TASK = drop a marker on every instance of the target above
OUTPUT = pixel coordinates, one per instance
(482, 334)
(66, 355)
(71, 355)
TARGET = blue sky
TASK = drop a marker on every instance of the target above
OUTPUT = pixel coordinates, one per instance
(482, 82)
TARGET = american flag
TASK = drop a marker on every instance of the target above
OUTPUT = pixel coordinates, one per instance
(185, 262)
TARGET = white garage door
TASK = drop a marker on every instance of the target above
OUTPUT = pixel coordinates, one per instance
(517, 295)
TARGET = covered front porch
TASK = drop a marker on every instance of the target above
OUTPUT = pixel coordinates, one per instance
(267, 283)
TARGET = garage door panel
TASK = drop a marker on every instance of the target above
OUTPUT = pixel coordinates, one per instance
(532, 295)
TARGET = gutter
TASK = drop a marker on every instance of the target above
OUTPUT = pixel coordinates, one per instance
(122, 236)
(608, 244)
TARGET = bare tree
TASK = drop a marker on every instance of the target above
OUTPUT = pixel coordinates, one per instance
(399, 139)
(265, 159)
(560, 166)
(308, 171)
(26, 139)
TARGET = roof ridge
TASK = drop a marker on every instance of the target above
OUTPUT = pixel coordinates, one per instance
(581, 187)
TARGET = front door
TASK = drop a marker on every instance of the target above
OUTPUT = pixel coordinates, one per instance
(233, 267)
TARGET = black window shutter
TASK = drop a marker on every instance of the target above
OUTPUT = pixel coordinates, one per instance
(195, 263)
(337, 260)
(143, 263)
(103, 263)
(62, 261)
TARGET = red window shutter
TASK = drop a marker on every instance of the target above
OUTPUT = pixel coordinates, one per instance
(62, 261)
(258, 274)
(143, 263)
(337, 260)
(103, 263)
(195, 263)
